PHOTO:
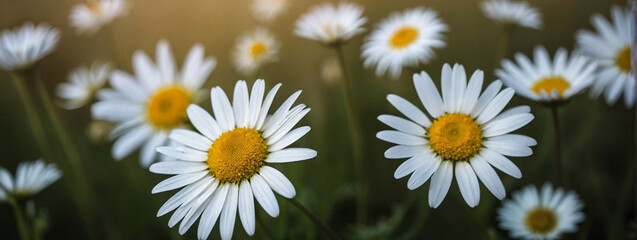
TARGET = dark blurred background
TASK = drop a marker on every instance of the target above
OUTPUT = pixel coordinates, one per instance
(598, 139)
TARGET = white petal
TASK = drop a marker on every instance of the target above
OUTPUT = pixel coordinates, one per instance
(222, 109)
(240, 104)
(397, 137)
(130, 141)
(277, 181)
(488, 176)
(256, 99)
(468, 183)
(246, 207)
(424, 172)
(191, 139)
(177, 167)
(178, 181)
(229, 213)
(402, 125)
(409, 110)
(428, 94)
(183, 153)
(440, 183)
(486, 97)
(148, 152)
(291, 155)
(165, 60)
(203, 122)
(266, 106)
(402, 151)
(288, 139)
(213, 210)
(472, 93)
(500, 162)
(185, 195)
(496, 105)
(506, 125)
(264, 195)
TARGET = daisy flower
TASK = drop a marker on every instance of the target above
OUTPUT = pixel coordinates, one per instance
(516, 13)
(611, 48)
(547, 80)
(468, 136)
(22, 47)
(83, 84)
(541, 215)
(30, 178)
(226, 163)
(88, 18)
(403, 39)
(255, 49)
(331, 25)
(268, 10)
(147, 106)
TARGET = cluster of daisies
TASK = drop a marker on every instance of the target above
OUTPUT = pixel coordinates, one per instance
(221, 161)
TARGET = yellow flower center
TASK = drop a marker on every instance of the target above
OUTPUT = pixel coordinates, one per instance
(403, 37)
(455, 137)
(167, 108)
(623, 60)
(541, 220)
(551, 83)
(237, 155)
(257, 50)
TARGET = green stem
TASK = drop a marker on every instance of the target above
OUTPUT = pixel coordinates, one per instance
(354, 128)
(85, 194)
(561, 174)
(326, 229)
(23, 228)
(19, 80)
(265, 228)
(503, 45)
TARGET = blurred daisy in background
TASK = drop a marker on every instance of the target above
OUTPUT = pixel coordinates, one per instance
(254, 49)
(89, 17)
(469, 134)
(403, 39)
(541, 215)
(330, 24)
(545, 80)
(225, 165)
(268, 10)
(30, 178)
(3, 194)
(21, 47)
(147, 106)
(512, 13)
(611, 48)
(82, 85)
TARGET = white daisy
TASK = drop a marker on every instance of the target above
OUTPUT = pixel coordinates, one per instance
(225, 164)
(403, 39)
(268, 10)
(541, 215)
(147, 106)
(547, 80)
(30, 178)
(254, 49)
(88, 18)
(22, 47)
(611, 48)
(516, 13)
(468, 134)
(83, 84)
(331, 25)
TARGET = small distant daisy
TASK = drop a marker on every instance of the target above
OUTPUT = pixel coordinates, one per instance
(268, 10)
(30, 178)
(469, 135)
(226, 164)
(546, 80)
(83, 84)
(541, 215)
(147, 106)
(331, 25)
(88, 18)
(255, 49)
(22, 47)
(509, 12)
(403, 39)
(611, 48)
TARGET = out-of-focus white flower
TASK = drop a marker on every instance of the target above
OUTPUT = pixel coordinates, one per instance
(21, 47)
(88, 18)
(30, 178)
(331, 24)
(83, 84)
(512, 12)
(268, 10)
(254, 49)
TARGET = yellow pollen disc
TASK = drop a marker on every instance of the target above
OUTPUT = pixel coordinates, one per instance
(403, 37)
(237, 155)
(455, 137)
(623, 60)
(167, 108)
(551, 83)
(541, 220)
(257, 50)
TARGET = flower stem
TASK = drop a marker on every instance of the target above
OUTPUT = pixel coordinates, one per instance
(19, 218)
(326, 229)
(19, 80)
(354, 128)
(503, 45)
(561, 175)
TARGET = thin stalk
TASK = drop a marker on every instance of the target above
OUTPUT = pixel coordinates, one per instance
(354, 128)
(562, 176)
(503, 44)
(19, 80)
(119, 57)
(265, 228)
(84, 192)
(23, 228)
(326, 229)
